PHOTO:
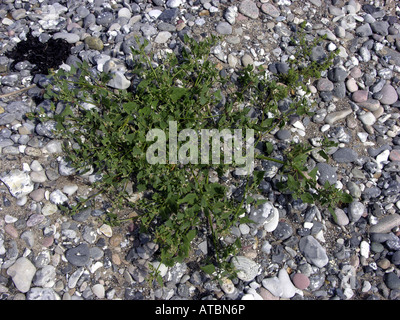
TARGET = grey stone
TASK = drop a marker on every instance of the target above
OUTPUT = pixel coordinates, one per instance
(380, 27)
(355, 211)
(386, 224)
(337, 74)
(392, 281)
(42, 294)
(326, 174)
(22, 273)
(389, 95)
(79, 255)
(224, 28)
(364, 30)
(318, 54)
(340, 217)
(333, 117)
(247, 269)
(313, 251)
(345, 155)
(249, 9)
(18, 183)
(45, 277)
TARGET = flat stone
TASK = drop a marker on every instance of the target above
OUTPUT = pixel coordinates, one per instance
(249, 9)
(22, 273)
(301, 281)
(247, 269)
(313, 251)
(18, 183)
(355, 211)
(386, 224)
(270, 9)
(340, 217)
(360, 96)
(333, 117)
(224, 28)
(69, 37)
(119, 81)
(162, 37)
(79, 255)
(345, 155)
(389, 95)
(324, 84)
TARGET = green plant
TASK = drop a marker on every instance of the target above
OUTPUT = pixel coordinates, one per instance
(106, 131)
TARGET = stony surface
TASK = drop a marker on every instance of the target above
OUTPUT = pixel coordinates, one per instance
(293, 250)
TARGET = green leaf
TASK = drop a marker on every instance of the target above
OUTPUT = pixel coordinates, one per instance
(307, 198)
(209, 269)
(189, 198)
(177, 93)
(191, 235)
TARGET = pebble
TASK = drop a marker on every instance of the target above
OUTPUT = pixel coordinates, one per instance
(249, 9)
(22, 273)
(18, 183)
(301, 281)
(386, 224)
(69, 254)
(345, 155)
(247, 269)
(389, 95)
(313, 251)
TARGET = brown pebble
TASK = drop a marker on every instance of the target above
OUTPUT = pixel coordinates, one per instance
(11, 231)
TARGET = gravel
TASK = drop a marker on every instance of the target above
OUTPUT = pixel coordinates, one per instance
(293, 250)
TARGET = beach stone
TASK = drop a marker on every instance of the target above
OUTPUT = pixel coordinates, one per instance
(326, 173)
(301, 281)
(333, 117)
(367, 118)
(22, 273)
(389, 95)
(324, 84)
(224, 28)
(360, 96)
(119, 81)
(94, 43)
(249, 9)
(38, 293)
(247, 269)
(79, 255)
(313, 251)
(345, 155)
(392, 281)
(18, 183)
(340, 217)
(355, 211)
(270, 9)
(386, 224)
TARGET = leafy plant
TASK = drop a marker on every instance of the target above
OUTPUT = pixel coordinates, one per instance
(105, 133)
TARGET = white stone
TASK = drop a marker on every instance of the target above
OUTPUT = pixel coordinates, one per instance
(18, 183)
(364, 249)
(49, 209)
(173, 3)
(70, 189)
(247, 269)
(98, 290)
(106, 230)
(161, 268)
(22, 273)
(57, 197)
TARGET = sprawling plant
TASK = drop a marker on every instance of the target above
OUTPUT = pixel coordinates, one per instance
(106, 132)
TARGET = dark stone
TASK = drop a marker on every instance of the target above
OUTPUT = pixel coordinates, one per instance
(45, 56)
(79, 255)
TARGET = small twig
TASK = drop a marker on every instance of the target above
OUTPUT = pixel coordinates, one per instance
(17, 92)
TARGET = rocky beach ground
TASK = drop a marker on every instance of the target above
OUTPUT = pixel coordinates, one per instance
(295, 251)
